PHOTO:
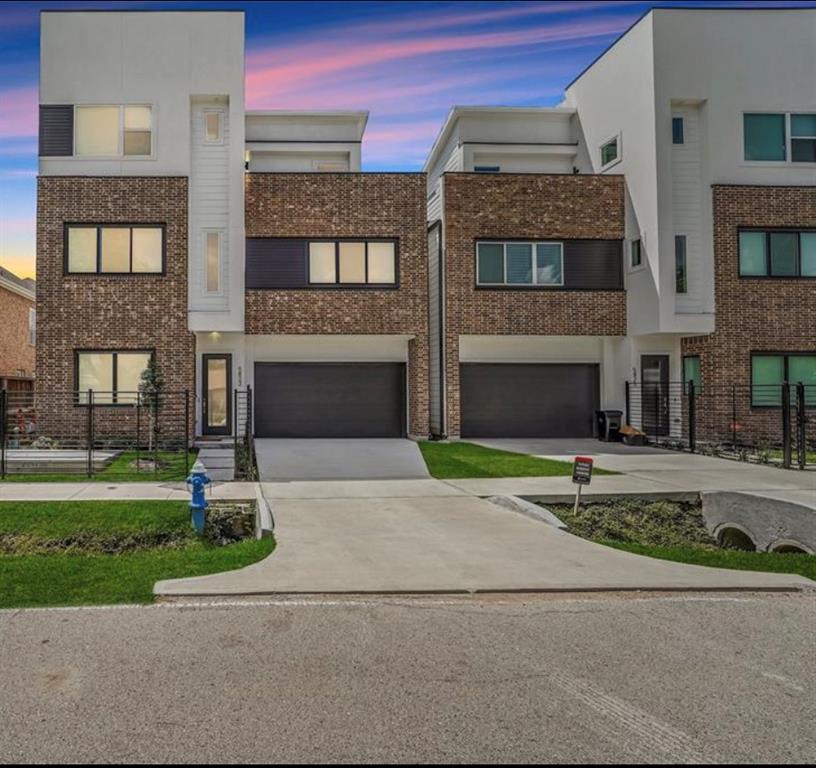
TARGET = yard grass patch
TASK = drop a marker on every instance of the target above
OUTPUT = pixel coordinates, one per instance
(458, 460)
(122, 469)
(160, 541)
(670, 530)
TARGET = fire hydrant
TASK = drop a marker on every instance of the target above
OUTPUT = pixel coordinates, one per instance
(197, 483)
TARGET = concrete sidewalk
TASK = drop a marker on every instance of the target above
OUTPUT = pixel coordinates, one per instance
(447, 544)
(89, 491)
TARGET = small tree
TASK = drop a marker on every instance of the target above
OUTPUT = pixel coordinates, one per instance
(151, 386)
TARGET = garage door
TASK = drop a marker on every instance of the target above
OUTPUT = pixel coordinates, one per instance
(330, 400)
(540, 400)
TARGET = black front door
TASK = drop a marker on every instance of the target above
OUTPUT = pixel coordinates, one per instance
(654, 375)
(216, 414)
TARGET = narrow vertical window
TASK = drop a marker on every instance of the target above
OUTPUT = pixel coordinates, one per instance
(212, 127)
(213, 262)
(678, 131)
(636, 253)
(32, 326)
(680, 264)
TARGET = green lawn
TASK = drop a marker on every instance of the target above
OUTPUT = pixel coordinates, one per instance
(153, 538)
(457, 460)
(804, 565)
(120, 470)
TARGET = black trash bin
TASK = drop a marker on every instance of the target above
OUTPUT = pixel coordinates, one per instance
(608, 424)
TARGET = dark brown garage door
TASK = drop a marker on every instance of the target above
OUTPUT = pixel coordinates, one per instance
(330, 400)
(540, 400)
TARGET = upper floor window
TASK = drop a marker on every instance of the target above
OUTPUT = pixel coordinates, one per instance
(114, 249)
(212, 127)
(610, 152)
(520, 263)
(781, 253)
(32, 326)
(353, 262)
(113, 131)
(680, 264)
(635, 253)
(775, 137)
(486, 168)
(213, 249)
(678, 131)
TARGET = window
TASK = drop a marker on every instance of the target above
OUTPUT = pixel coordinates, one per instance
(520, 264)
(636, 253)
(692, 372)
(353, 262)
(212, 127)
(32, 326)
(764, 137)
(610, 152)
(115, 249)
(803, 138)
(213, 254)
(113, 376)
(768, 372)
(780, 254)
(678, 131)
(113, 131)
(680, 264)
(486, 168)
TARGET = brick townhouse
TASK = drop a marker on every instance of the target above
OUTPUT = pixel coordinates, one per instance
(18, 321)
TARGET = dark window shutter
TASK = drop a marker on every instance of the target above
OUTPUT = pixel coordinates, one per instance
(56, 130)
(276, 263)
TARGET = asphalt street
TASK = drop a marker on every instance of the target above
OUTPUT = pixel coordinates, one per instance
(709, 678)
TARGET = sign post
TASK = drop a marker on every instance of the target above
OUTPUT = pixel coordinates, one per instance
(581, 476)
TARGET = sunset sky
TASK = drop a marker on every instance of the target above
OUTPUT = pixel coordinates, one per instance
(406, 62)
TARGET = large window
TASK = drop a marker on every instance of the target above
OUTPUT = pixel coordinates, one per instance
(779, 137)
(777, 253)
(692, 372)
(353, 263)
(538, 264)
(113, 131)
(769, 371)
(113, 376)
(114, 249)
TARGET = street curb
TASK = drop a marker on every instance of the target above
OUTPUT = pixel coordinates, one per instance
(528, 509)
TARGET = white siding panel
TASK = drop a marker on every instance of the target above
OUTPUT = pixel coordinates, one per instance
(209, 207)
(687, 205)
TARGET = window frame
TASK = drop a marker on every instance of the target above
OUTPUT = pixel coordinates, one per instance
(151, 351)
(788, 161)
(68, 225)
(535, 286)
(785, 377)
(337, 285)
(618, 138)
(219, 113)
(121, 140)
(811, 137)
(767, 231)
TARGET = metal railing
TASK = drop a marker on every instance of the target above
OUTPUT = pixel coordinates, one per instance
(245, 467)
(91, 432)
(771, 424)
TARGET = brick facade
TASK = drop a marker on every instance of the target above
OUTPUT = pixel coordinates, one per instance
(519, 206)
(753, 314)
(16, 351)
(109, 312)
(305, 205)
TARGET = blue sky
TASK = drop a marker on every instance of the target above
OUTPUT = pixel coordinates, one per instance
(406, 62)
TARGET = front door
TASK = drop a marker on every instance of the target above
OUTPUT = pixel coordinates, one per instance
(217, 385)
(654, 375)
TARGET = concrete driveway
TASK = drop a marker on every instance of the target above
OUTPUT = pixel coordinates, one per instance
(339, 459)
(444, 540)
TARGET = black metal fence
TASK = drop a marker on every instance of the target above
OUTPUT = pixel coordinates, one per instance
(245, 467)
(772, 424)
(122, 435)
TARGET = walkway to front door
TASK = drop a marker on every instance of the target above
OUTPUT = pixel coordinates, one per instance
(338, 459)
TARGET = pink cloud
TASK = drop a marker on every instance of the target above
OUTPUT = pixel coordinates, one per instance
(278, 68)
(18, 114)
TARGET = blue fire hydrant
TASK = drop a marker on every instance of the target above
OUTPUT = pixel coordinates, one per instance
(197, 483)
